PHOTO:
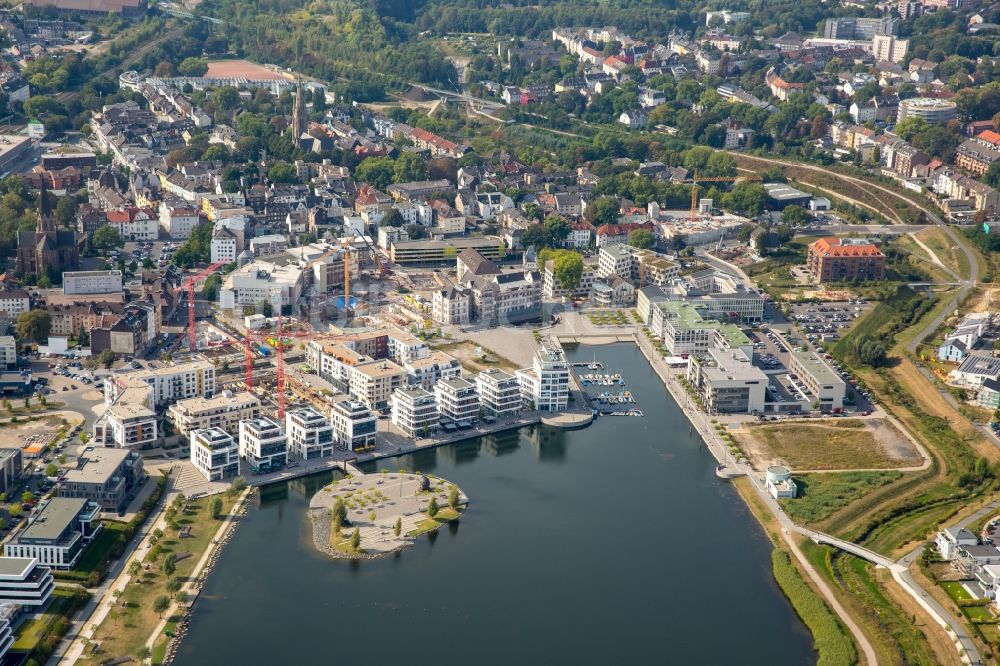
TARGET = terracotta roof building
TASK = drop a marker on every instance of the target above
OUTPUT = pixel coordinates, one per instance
(845, 259)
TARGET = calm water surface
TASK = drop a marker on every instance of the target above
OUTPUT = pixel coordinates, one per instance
(615, 544)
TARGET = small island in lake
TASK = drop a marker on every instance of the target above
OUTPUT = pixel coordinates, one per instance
(371, 515)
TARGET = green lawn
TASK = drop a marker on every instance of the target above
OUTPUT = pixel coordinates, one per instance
(98, 553)
(820, 495)
(31, 631)
(956, 591)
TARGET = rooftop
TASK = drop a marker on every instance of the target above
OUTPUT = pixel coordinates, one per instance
(97, 465)
(817, 367)
(58, 514)
(16, 567)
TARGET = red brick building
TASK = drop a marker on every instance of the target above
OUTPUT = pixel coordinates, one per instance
(845, 259)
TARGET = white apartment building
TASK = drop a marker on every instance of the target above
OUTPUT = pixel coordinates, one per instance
(499, 393)
(545, 385)
(225, 411)
(427, 370)
(615, 260)
(8, 353)
(215, 454)
(310, 434)
(265, 246)
(13, 302)
(258, 282)
(25, 582)
(888, 47)
(457, 400)
(92, 282)
(263, 444)
(414, 411)
(728, 382)
(373, 383)
(354, 425)
(178, 220)
(168, 384)
(135, 224)
(224, 244)
(129, 425)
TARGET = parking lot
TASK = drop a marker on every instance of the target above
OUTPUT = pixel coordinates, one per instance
(827, 322)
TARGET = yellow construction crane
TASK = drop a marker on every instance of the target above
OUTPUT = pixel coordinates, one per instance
(345, 244)
(711, 179)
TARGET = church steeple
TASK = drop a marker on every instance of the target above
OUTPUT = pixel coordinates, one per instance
(298, 114)
(43, 214)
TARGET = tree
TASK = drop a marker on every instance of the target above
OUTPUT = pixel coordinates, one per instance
(376, 171)
(282, 172)
(51, 469)
(392, 219)
(536, 235)
(106, 238)
(398, 527)
(65, 211)
(173, 585)
(216, 507)
(641, 238)
(453, 498)
(558, 228)
(134, 568)
(26, 496)
(193, 67)
(15, 510)
(34, 325)
(416, 232)
(992, 175)
(602, 211)
(170, 564)
(160, 604)
(226, 98)
(568, 269)
(355, 539)
(181, 597)
(432, 507)
(408, 168)
(106, 358)
(795, 215)
(338, 515)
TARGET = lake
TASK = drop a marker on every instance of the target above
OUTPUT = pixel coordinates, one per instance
(614, 544)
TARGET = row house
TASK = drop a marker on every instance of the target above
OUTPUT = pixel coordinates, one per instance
(135, 224)
(977, 154)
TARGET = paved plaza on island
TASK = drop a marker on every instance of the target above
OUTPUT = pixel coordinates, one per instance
(387, 495)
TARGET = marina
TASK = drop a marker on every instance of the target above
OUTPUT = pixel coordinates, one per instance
(607, 392)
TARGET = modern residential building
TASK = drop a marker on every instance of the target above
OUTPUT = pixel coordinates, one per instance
(92, 282)
(728, 382)
(826, 386)
(127, 425)
(931, 109)
(215, 454)
(457, 400)
(263, 444)
(958, 343)
(354, 425)
(845, 259)
(373, 383)
(12, 303)
(889, 48)
(951, 540)
(25, 582)
(107, 476)
(545, 385)
(310, 434)
(975, 370)
(225, 410)
(58, 533)
(427, 370)
(499, 393)
(167, 384)
(414, 411)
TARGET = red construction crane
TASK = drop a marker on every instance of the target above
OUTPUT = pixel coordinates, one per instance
(188, 286)
(280, 372)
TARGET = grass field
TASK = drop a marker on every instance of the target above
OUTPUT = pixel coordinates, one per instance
(29, 633)
(950, 254)
(465, 352)
(820, 495)
(99, 551)
(897, 639)
(130, 623)
(840, 445)
(920, 259)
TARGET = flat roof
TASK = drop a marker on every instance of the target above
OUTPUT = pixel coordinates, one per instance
(91, 274)
(58, 514)
(817, 367)
(99, 465)
(15, 567)
(781, 192)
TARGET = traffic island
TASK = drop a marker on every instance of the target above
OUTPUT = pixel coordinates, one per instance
(365, 516)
